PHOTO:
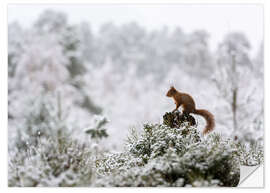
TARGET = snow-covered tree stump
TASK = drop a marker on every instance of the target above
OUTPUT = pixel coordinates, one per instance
(176, 119)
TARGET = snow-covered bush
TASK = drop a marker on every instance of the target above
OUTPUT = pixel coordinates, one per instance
(165, 156)
(250, 155)
(44, 151)
(97, 131)
(62, 162)
(159, 156)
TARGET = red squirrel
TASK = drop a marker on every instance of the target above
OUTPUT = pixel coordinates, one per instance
(188, 105)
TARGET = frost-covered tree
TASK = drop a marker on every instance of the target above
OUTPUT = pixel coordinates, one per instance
(15, 45)
(120, 48)
(239, 88)
(258, 62)
(15, 50)
(53, 23)
(73, 41)
(88, 44)
(197, 55)
(49, 59)
(40, 56)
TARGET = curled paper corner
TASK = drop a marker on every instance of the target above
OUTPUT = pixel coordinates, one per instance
(251, 176)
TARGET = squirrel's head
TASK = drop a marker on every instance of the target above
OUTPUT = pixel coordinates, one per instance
(171, 92)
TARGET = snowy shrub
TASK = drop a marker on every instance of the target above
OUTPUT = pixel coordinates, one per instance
(98, 131)
(251, 155)
(62, 162)
(45, 118)
(165, 156)
(170, 154)
(45, 153)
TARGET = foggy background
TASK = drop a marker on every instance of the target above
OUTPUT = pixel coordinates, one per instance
(118, 61)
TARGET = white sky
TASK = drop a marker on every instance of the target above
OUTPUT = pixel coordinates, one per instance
(216, 19)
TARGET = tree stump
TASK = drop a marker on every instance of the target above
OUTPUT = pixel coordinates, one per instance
(176, 119)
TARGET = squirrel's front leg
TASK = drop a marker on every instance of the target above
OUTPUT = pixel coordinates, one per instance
(177, 106)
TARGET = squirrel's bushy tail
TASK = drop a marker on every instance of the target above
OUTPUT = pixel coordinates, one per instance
(210, 121)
